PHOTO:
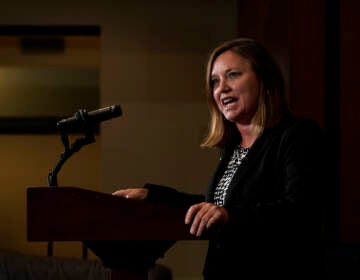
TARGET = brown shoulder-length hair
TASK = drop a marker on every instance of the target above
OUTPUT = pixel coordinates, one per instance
(272, 101)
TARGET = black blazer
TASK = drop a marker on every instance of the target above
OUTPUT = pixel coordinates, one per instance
(274, 203)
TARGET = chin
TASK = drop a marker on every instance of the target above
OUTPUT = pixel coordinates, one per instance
(230, 116)
(231, 119)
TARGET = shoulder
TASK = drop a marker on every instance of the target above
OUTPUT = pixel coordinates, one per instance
(291, 124)
(295, 130)
(304, 133)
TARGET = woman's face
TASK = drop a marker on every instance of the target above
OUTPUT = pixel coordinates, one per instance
(235, 87)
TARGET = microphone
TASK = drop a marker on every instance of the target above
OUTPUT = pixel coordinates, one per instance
(82, 117)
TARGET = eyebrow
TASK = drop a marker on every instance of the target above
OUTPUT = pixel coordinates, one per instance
(228, 70)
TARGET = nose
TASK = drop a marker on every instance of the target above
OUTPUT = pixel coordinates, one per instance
(223, 86)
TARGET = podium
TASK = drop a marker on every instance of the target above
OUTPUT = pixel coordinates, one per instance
(127, 235)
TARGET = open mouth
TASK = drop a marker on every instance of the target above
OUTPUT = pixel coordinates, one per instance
(228, 100)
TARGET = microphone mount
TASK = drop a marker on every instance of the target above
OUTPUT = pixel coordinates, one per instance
(82, 117)
(86, 121)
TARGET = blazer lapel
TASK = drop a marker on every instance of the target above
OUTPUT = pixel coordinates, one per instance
(219, 171)
(252, 158)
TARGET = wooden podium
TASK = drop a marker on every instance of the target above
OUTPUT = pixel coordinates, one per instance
(127, 235)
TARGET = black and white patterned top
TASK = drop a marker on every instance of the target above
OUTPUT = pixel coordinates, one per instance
(223, 185)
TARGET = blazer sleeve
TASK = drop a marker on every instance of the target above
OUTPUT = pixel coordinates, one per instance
(301, 162)
(171, 197)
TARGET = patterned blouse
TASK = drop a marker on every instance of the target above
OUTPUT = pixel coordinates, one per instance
(223, 185)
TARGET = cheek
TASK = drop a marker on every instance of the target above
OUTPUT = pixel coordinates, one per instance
(253, 102)
(217, 100)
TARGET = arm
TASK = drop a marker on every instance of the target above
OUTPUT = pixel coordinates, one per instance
(295, 196)
(171, 197)
(160, 194)
(282, 189)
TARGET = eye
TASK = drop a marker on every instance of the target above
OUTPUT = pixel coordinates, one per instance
(214, 81)
(234, 74)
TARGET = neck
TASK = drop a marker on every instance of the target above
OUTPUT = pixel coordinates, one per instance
(248, 135)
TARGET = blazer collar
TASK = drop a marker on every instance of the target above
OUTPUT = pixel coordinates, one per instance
(254, 154)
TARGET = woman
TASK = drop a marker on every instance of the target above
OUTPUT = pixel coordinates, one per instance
(263, 200)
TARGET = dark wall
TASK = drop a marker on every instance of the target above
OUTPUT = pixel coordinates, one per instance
(349, 101)
(316, 44)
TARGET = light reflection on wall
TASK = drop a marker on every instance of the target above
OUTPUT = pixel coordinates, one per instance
(46, 92)
(48, 76)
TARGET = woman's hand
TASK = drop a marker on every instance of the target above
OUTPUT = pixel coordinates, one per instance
(203, 215)
(132, 193)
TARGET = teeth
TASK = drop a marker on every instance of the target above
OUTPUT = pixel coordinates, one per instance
(228, 100)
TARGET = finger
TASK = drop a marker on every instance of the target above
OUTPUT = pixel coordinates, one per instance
(210, 222)
(210, 216)
(207, 219)
(133, 194)
(138, 194)
(199, 220)
(121, 193)
(191, 213)
(194, 227)
(201, 226)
